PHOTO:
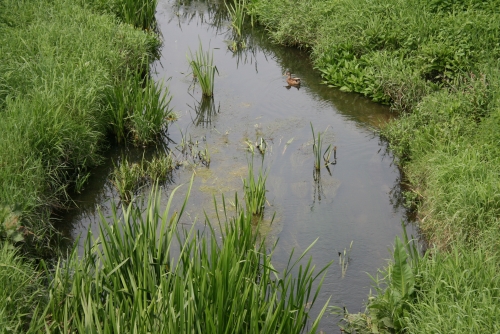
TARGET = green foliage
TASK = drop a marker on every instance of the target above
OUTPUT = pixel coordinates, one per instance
(139, 13)
(144, 274)
(255, 191)
(374, 47)
(53, 88)
(318, 149)
(138, 109)
(387, 312)
(201, 64)
(21, 295)
(160, 167)
(457, 291)
(238, 13)
(11, 227)
(127, 177)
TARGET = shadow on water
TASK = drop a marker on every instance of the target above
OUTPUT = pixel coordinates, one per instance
(356, 202)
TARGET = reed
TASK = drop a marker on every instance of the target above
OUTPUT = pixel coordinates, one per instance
(140, 13)
(237, 11)
(203, 70)
(255, 191)
(160, 167)
(144, 273)
(138, 109)
(344, 259)
(318, 151)
(127, 177)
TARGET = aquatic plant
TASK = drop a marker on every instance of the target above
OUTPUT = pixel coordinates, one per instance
(160, 166)
(127, 177)
(140, 13)
(237, 11)
(255, 190)
(318, 149)
(344, 259)
(203, 69)
(138, 108)
(145, 273)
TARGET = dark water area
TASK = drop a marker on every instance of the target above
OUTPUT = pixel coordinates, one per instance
(356, 202)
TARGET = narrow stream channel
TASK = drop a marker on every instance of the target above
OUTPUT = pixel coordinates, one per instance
(357, 201)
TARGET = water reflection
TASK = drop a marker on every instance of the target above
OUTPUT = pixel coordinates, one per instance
(205, 111)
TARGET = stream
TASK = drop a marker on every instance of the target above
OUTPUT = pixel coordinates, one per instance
(356, 202)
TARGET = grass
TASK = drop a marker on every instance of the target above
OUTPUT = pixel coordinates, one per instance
(139, 13)
(127, 178)
(255, 191)
(53, 101)
(138, 109)
(318, 149)
(160, 167)
(23, 291)
(203, 70)
(144, 273)
(237, 11)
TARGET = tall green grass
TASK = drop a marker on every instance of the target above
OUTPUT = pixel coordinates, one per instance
(255, 190)
(442, 292)
(139, 13)
(138, 109)
(144, 273)
(22, 293)
(237, 11)
(53, 89)
(203, 69)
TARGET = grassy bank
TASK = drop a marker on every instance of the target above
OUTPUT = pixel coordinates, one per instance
(437, 64)
(62, 66)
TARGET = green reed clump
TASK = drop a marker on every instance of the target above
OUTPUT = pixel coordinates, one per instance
(138, 109)
(255, 190)
(140, 13)
(203, 69)
(127, 178)
(160, 167)
(441, 292)
(237, 11)
(318, 149)
(145, 274)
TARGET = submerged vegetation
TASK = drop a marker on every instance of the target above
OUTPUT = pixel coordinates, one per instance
(318, 149)
(437, 64)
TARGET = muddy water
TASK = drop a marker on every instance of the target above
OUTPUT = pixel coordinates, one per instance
(355, 201)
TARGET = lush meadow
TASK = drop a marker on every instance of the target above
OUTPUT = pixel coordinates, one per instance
(437, 64)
